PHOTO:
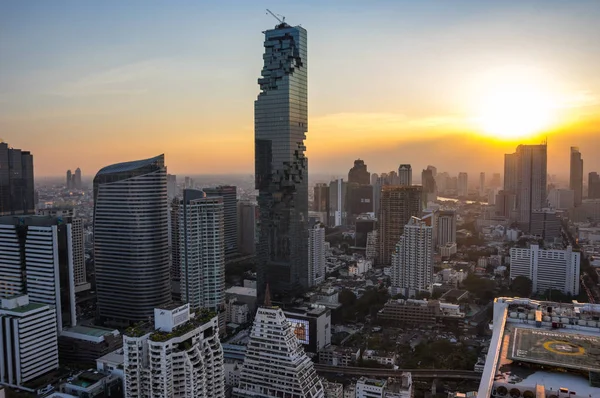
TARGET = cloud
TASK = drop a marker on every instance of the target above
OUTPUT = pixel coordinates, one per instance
(129, 79)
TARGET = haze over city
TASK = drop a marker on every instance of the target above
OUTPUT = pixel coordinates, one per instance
(457, 84)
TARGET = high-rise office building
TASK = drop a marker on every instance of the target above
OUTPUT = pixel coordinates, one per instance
(229, 195)
(281, 168)
(441, 182)
(532, 175)
(576, 175)
(374, 178)
(561, 199)
(545, 224)
(462, 188)
(171, 186)
(506, 204)
(481, 184)
(547, 269)
(69, 182)
(496, 181)
(37, 259)
(175, 249)
(16, 181)
(181, 357)
(316, 255)
(337, 203)
(77, 179)
(412, 260)
(275, 364)
(247, 217)
(429, 185)
(398, 205)
(404, 175)
(593, 185)
(67, 215)
(377, 196)
(359, 200)
(202, 250)
(511, 172)
(131, 240)
(321, 198)
(359, 173)
(28, 340)
(433, 170)
(445, 227)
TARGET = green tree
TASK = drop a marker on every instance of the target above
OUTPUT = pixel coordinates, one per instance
(347, 298)
(521, 286)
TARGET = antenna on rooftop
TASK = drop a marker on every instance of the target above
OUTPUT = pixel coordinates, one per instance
(276, 16)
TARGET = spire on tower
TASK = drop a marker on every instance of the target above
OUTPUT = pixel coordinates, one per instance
(267, 296)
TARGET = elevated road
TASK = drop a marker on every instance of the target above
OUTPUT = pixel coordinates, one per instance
(416, 373)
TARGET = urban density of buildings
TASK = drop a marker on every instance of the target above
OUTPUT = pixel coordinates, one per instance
(132, 283)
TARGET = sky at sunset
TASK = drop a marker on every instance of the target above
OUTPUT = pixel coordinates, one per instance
(454, 84)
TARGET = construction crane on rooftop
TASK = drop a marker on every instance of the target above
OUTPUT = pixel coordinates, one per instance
(276, 16)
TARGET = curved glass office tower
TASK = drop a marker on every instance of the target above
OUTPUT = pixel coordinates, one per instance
(281, 169)
(131, 241)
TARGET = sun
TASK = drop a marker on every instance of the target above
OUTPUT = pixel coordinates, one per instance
(514, 107)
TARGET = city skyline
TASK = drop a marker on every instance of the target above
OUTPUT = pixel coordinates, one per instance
(123, 94)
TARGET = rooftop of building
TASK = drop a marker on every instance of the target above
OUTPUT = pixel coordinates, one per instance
(24, 308)
(130, 166)
(307, 310)
(242, 291)
(116, 357)
(87, 378)
(552, 345)
(372, 382)
(92, 331)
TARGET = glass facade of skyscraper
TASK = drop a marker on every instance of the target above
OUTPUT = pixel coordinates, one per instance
(281, 169)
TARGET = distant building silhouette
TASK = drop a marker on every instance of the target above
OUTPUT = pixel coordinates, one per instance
(593, 185)
(359, 174)
(576, 175)
(398, 205)
(16, 181)
(404, 175)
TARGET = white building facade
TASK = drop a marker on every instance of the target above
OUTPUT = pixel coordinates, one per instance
(412, 261)
(547, 269)
(183, 357)
(275, 364)
(28, 340)
(49, 266)
(202, 250)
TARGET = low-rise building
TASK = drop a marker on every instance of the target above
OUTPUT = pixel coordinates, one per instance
(82, 345)
(370, 388)
(360, 268)
(333, 390)
(448, 249)
(339, 356)
(90, 384)
(381, 357)
(420, 312)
